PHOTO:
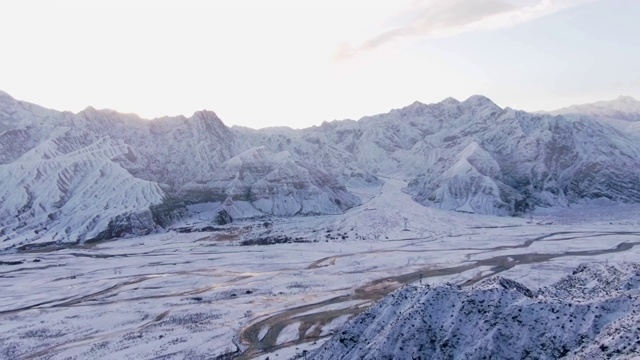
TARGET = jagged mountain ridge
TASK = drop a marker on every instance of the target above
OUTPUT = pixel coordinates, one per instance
(470, 156)
(592, 313)
(101, 174)
(535, 159)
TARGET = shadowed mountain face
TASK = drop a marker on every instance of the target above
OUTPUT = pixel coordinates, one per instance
(127, 175)
(591, 314)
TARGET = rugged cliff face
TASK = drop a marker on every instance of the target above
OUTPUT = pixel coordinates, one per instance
(591, 314)
(66, 176)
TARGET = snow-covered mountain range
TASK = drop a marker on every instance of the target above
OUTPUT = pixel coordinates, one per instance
(100, 174)
(592, 313)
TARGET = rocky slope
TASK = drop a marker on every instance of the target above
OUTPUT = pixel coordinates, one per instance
(591, 314)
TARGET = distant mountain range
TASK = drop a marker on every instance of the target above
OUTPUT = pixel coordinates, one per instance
(623, 113)
(100, 174)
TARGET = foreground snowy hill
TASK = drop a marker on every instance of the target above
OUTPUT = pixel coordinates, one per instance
(75, 177)
(591, 314)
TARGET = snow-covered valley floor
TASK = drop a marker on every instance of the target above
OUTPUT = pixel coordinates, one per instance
(200, 295)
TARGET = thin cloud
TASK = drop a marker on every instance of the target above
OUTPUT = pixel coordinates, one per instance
(437, 18)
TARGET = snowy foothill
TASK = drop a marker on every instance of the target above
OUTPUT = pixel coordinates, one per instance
(591, 313)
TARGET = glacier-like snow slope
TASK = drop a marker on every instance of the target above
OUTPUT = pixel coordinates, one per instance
(591, 314)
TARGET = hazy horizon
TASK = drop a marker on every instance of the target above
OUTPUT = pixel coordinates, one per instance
(305, 126)
(278, 63)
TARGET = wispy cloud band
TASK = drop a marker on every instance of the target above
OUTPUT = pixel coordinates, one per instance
(437, 18)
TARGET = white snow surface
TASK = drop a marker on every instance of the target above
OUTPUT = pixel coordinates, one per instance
(277, 184)
(366, 201)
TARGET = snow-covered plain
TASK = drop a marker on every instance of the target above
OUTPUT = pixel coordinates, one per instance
(200, 295)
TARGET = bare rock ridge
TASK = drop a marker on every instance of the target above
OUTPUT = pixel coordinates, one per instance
(591, 314)
(98, 174)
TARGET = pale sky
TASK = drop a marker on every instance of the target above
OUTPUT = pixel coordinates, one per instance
(298, 63)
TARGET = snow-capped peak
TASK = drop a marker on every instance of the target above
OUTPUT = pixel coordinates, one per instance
(480, 101)
(467, 156)
(450, 101)
(206, 115)
(626, 99)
